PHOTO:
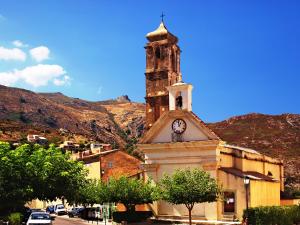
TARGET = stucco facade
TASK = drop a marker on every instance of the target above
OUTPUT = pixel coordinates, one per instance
(227, 164)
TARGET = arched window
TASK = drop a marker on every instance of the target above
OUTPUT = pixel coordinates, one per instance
(173, 62)
(179, 101)
(157, 53)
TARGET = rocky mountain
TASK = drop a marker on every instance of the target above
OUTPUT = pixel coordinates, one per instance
(23, 112)
(274, 135)
(117, 121)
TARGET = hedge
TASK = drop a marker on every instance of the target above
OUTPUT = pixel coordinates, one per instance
(273, 215)
(135, 216)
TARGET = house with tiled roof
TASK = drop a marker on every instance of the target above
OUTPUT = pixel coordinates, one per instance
(110, 163)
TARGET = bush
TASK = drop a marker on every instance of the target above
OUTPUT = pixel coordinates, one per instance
(15, 218)
(274, 215)
(131, 216)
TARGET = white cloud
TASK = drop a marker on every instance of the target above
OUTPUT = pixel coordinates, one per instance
(66, 80)
(12, 54)
(36, 76)
(40, 53)
(19, 44)
(8, 78)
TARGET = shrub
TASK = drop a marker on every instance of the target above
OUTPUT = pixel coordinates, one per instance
(15, 218)
(273, 215)
(131, 216)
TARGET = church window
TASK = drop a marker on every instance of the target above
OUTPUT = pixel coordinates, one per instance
(157, 53)
(110, 165)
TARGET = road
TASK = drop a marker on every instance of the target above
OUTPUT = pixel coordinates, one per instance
(62, 220)
(65, 220)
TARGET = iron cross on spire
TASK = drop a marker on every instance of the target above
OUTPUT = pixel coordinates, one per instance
(162, 16)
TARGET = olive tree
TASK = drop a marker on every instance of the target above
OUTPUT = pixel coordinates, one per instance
(29, 172)
(188, 187)
(130, 192)
(91, 192)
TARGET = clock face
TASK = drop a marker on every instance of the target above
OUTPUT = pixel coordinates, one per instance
(178, 126)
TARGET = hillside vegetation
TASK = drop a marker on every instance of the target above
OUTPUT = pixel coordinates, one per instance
(120, 122)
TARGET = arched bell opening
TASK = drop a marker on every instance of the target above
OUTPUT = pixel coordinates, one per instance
(179, 100)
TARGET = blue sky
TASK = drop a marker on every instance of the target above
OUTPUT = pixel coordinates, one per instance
(241, 56)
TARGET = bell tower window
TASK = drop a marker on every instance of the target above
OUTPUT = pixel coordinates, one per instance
(180, 96)
(179, 101)
(173, 62)
(157, 53)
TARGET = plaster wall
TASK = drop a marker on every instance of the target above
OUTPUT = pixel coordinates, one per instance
(93, 170)
(226, 161)
(197, 155)
(274, 169)
(204, 210)
(234, 184)
(192, 133)
(263, 193)
(250, 165)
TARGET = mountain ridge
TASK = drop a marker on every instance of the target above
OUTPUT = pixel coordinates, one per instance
(119, 121)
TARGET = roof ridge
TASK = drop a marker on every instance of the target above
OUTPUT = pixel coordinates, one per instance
(204, 124)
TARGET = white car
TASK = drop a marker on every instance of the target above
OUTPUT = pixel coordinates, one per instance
(39, 218)
(60, 209)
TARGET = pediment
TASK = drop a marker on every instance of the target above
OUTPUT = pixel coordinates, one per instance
(162, 132)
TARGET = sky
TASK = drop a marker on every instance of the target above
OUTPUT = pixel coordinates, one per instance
(241, 56)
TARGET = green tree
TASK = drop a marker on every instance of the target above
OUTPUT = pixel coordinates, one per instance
(91, 192)
(130, 192)
(189, 187)
(31, 172)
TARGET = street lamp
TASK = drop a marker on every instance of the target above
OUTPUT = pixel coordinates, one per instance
(246, 183)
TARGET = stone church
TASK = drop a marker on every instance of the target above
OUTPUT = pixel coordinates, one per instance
(178, 138)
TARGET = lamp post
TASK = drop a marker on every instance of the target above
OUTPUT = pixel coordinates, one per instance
(246, 183)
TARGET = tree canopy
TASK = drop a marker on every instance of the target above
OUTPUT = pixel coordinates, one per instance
(189, 186)
(130, 192)
(91, 192)
(29, 172)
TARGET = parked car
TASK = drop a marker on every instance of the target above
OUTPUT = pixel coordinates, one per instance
(75, 211)
(37, 210)
(39, 218)
(50, 209)
(60, 209)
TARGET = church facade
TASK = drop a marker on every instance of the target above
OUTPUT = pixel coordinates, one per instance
(177, 138)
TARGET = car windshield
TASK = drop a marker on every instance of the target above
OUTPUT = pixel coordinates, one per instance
(40, 216)
(60, 207)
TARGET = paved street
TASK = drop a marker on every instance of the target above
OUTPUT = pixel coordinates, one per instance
(65, 220)
(62, 220)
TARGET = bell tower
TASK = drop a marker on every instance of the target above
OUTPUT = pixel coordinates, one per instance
(162, 70)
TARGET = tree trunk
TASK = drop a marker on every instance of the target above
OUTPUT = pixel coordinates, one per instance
(130, 208)
(190, 216)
